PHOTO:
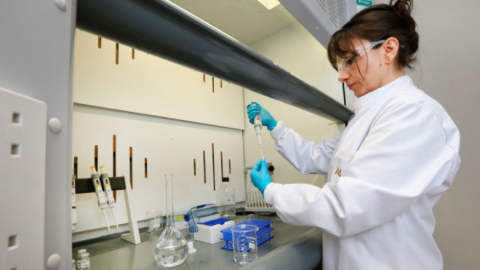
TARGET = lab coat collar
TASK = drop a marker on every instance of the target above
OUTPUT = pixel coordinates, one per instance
(383, 93)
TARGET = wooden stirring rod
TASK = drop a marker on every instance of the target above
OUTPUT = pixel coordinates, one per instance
(194, 167)
(75, 167)
(213, 162)
(146, 169)
(117, 49)
(131, 168)
(221, 163)
(115, 163)
(204, 169)
(96, 158)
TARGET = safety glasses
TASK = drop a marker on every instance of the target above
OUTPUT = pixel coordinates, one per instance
(361, 50)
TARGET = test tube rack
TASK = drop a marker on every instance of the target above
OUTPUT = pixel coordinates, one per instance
(85, 185)
(254, 201)
(263, 233)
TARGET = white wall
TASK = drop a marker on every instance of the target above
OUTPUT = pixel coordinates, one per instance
(448, 70)
(167, 113)
(298, 52)
(170, 147)
(151, 85)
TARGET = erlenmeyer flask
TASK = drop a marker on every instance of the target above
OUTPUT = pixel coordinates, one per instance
(171, 248)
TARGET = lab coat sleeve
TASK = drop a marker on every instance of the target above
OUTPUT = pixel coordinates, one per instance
(406, 155)
(307, 157)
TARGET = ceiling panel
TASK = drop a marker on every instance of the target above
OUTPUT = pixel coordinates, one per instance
(248, 21)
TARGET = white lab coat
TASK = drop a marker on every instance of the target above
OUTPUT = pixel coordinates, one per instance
(387, 170)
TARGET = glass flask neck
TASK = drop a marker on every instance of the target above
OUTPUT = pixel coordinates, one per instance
(169, 200)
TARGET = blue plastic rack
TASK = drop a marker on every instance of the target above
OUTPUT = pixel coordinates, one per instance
(263, 233)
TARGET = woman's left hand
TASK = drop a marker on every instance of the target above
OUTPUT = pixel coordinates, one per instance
(260, 176)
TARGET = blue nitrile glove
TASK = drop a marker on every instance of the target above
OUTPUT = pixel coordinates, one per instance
(267, 119)
(260, 176)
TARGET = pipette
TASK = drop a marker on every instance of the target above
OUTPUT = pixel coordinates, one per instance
(108, 191)
(257, 125)
(102, 201)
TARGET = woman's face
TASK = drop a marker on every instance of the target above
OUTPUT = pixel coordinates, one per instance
(364, 73)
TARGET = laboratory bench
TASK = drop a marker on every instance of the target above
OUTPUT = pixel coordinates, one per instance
(291, 247)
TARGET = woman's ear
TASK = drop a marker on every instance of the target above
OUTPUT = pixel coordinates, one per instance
(390, 47)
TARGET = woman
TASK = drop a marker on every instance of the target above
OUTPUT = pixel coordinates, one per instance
(389, 167)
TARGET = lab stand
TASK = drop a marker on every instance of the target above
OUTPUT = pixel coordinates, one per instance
(117, 183)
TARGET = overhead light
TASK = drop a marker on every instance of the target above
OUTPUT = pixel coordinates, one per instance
(269, 4)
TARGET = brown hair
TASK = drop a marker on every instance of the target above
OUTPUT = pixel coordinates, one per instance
(379, 22)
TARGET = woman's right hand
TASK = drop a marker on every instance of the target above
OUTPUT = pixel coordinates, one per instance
(267, 119)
